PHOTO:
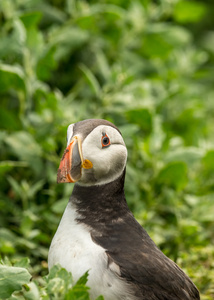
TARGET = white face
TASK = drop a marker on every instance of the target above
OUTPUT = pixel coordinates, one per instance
(108, 161)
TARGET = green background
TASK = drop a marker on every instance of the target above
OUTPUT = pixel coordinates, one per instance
(147, 66)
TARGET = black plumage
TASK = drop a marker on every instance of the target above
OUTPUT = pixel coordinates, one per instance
(151, 274)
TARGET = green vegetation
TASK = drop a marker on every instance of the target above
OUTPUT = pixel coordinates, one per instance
(147, 66)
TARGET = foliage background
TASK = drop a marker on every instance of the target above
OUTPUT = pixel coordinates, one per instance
(147, 66)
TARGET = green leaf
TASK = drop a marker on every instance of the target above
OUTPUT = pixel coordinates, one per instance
(155, 45)
(57, 271)
(161, 40)
(55, 285)
(59, 281)
(53, 272)
(46, 64)
(142, 117)
(34, 188)
(12, 279)
(32, 292)
(208, 160)
(174, 174)
(9, 119)
(23, 263)
(66, 39)
(91, 79)
(188, 155)
(11, 77)
(6, 165)
(8, 241)
(31, 19)
(78, 292)
(52, 13)
(59, 206)
(83, 279)
(26, 148)
(186, 11)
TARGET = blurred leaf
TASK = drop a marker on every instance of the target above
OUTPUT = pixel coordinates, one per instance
(35, 188)
(7, 241)
(6, 166)
(31, 19)
(58, 280)
(66, 39)
(46, 64)
(32, 293)
(189, 11)
(208, 160)
(20, 31)
(23, 263)
(188, 155)
(26, 148)
(9, 120)
(26, 226)
(16, 186)
(174, 174)
(142, 117)
(51, 13)
(11, 77)
(91, 79)
(59, 206)
(155, 45)
(12, 279)
(161, 39)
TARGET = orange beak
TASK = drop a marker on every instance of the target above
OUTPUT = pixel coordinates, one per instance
(72, 162)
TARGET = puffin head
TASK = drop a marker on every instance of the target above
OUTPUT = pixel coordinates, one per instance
(95, 154)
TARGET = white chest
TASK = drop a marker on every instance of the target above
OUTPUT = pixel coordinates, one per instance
(73, 248)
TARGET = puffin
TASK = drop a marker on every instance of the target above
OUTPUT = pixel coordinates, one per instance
(99, 234)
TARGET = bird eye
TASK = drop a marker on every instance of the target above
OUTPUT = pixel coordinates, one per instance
(105, 141)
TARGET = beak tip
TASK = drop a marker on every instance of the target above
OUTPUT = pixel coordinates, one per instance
(59, 176)
(63, 176)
